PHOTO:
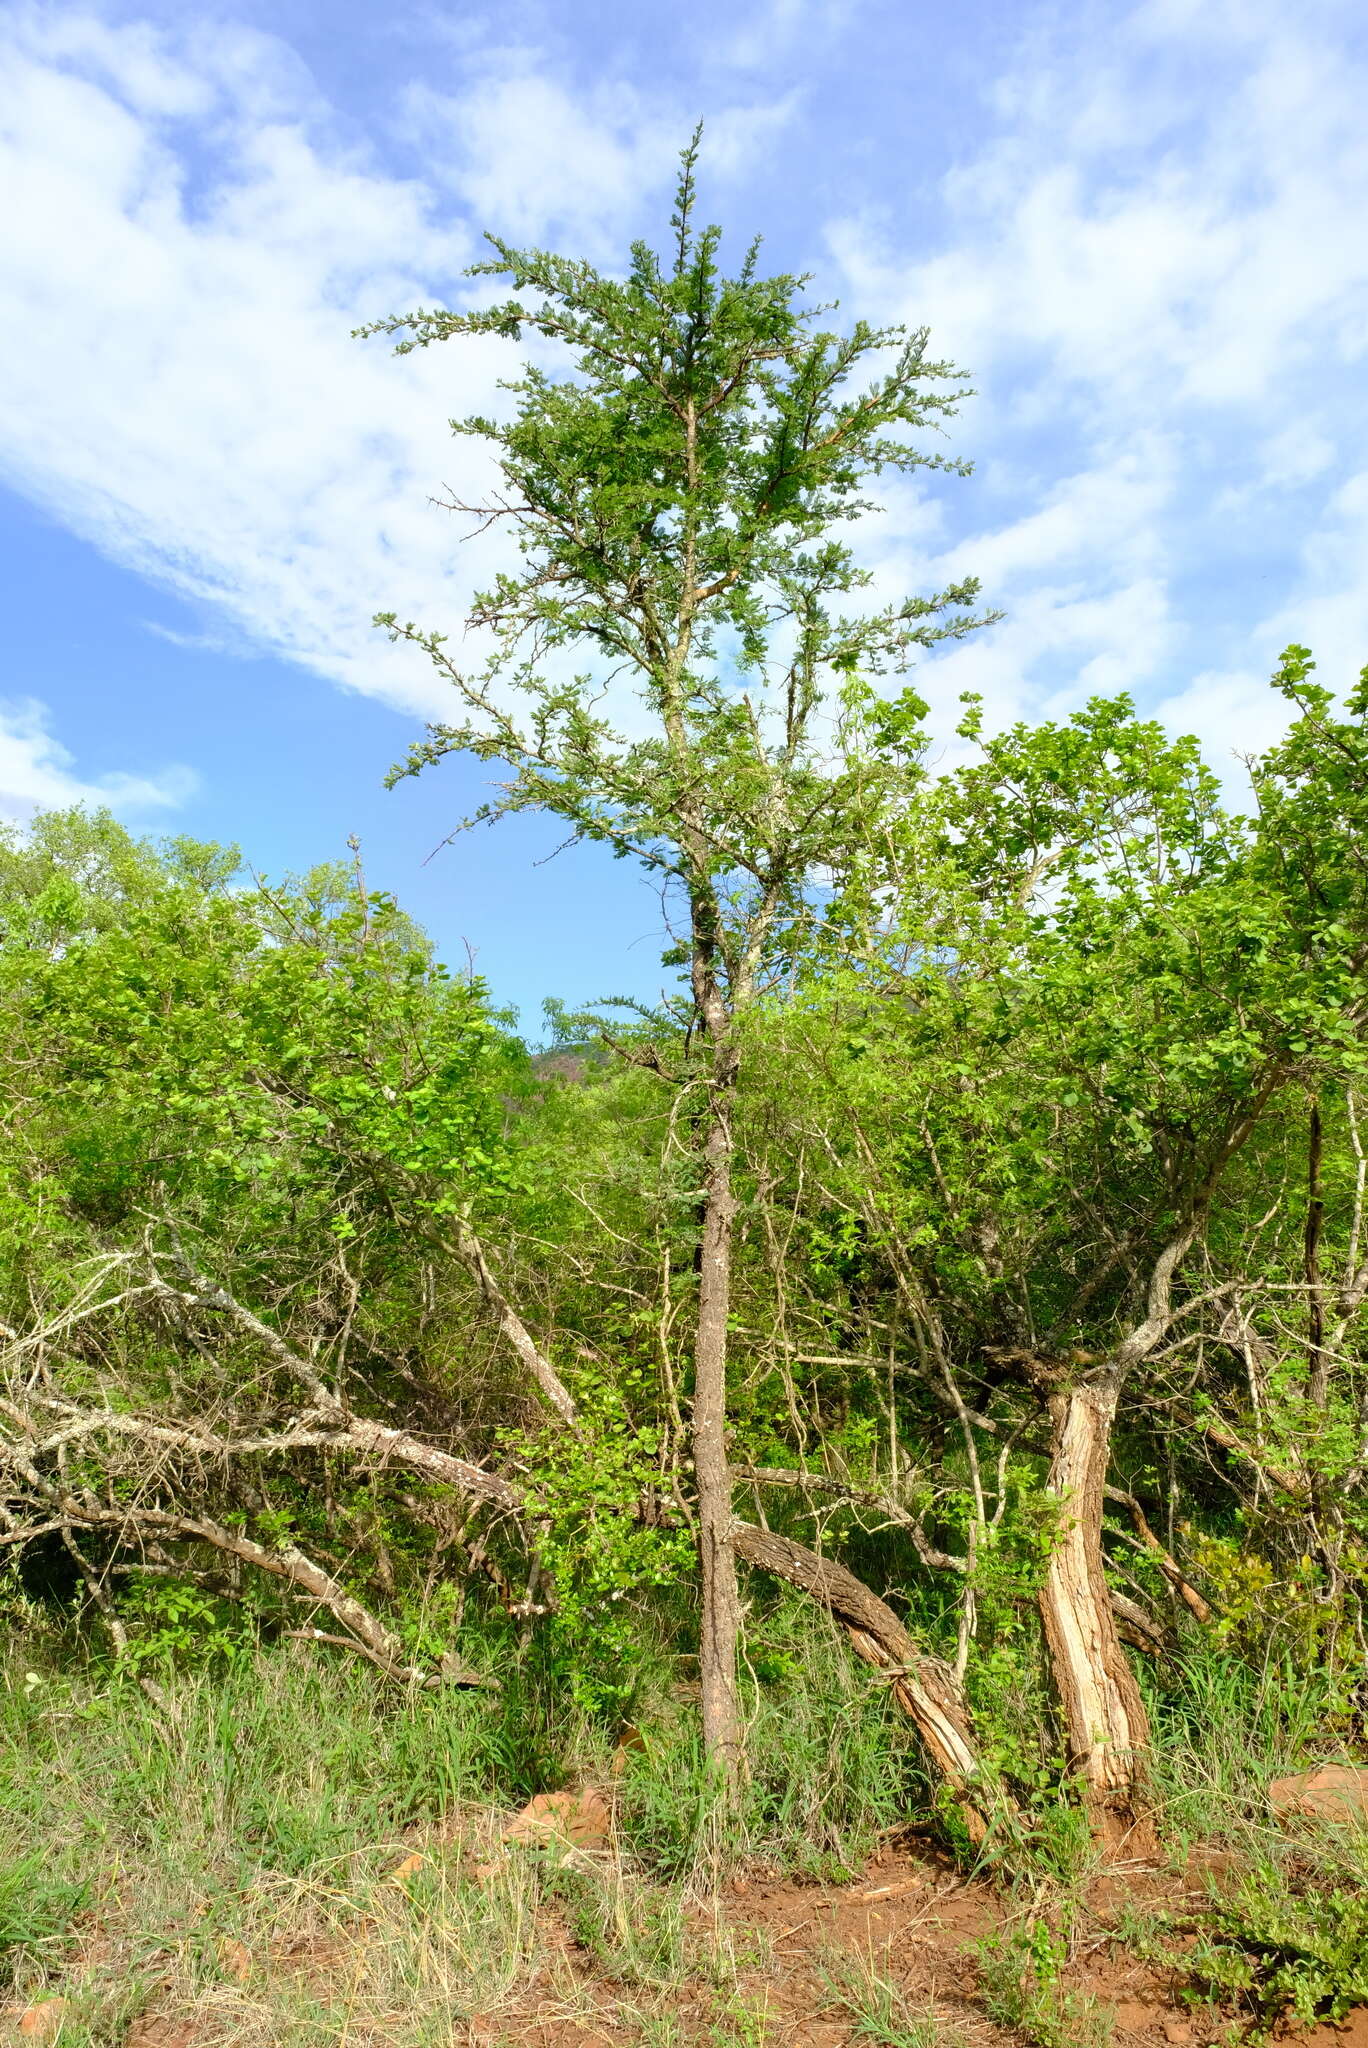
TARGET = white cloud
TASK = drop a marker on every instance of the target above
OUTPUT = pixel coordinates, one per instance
(176, 379)
(526, 157)
(757, 40)
(37, 772)
(1233, 713)
(1153, 261)
(1111, 510)
(1157, 272)
(1330, 609)
(530, 160)
(1177, 232)
(189, 248)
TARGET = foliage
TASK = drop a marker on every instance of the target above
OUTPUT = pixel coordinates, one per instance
(338, 1322)
(605, 1560)
(178, 1623)
(1283, 1951)
(677, 496)
(1023, 1969)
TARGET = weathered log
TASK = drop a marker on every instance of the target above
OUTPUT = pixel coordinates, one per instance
(1104, 1716)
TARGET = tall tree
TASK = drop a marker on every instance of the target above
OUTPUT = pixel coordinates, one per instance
(676, 498)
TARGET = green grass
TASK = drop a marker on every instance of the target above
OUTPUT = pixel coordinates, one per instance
(833, 1767)
(261, 1809)
(876, 2006)
(262, 1806)
(36, 1909)
(1224, 1730)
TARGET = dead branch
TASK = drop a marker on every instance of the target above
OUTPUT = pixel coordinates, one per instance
(337, 1430)
(1172, 1571)
(365, 1633)
(924, 1687)
(899, 1517)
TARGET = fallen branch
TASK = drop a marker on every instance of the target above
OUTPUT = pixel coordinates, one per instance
(1172, 1571)
(1139, 1628)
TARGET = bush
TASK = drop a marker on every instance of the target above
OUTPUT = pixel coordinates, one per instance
(1286, 1950)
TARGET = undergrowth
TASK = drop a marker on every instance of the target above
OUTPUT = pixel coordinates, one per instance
(1281, 1948)
(1022, 1969)
(877, 2008)
(265, 1802)
(255, 1823)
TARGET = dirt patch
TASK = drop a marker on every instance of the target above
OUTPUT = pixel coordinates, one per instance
(1353, 2034)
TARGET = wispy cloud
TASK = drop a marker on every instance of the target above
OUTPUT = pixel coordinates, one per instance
(1152, 257)
(38, 773)
(191, 245)
(1158, 273)
(177, 383)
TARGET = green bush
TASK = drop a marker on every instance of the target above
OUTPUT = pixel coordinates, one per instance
(1022, 1970)
(1286, 1951)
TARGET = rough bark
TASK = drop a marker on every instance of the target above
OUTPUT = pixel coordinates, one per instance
(720, 1622)
(1139, 1628)
(337, 1424)
(1317, 1357)
(334, 1430)
(924, 1687)
(1104, 1716)
(1148, 1634)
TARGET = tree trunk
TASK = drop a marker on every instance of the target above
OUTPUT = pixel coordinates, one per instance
(1104, 1715)
(1317, 1357)
(924, 1687)
(720, 1625)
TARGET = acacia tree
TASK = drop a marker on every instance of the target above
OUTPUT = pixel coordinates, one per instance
(676, 498)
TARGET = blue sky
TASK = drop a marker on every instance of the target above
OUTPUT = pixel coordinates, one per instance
(1144, 229)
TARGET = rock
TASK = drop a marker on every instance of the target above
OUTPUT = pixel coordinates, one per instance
(630, 1739)
(1334, 1792)
(1177, 2030)
(43, 2021)
(581, 1818)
